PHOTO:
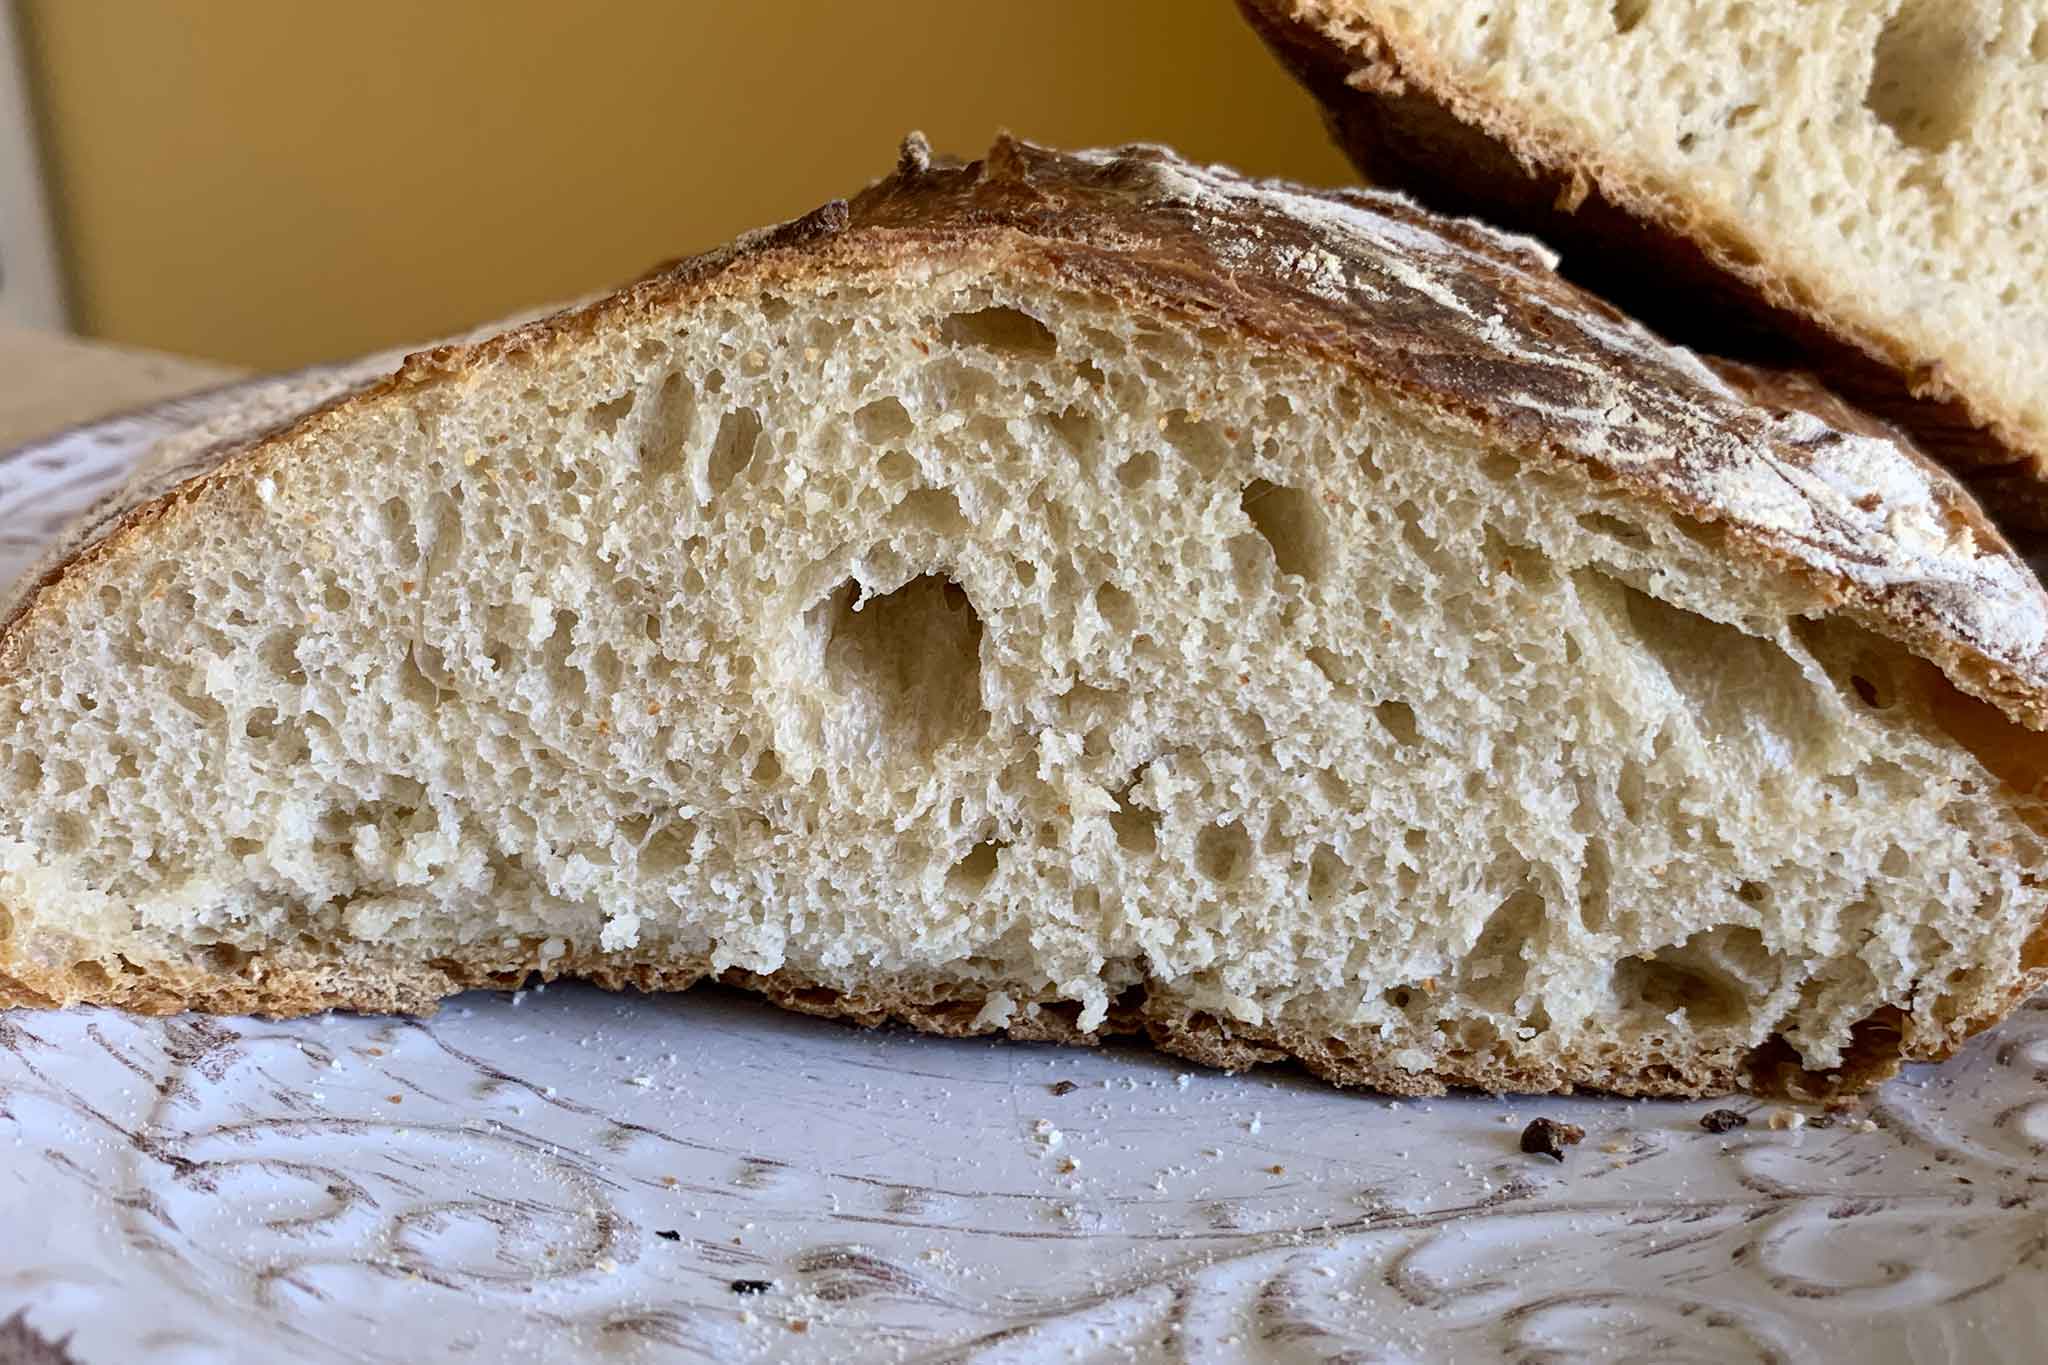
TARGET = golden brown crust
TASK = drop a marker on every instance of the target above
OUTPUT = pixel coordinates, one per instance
(1405, 121)
(1461, 323)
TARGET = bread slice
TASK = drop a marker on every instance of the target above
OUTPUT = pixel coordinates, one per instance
(1062, 595)
(1855, 185)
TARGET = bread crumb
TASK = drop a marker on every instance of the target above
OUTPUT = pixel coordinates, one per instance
(1548, 1137)
(1787, 1118)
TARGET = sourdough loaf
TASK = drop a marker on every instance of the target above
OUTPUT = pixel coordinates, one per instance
(1061, 595)
(1853, 186)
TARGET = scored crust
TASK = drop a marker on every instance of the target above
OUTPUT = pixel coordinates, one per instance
(1404, 120)
(1471, 324)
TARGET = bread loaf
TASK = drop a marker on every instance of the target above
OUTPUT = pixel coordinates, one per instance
(1062, 595)
(1853, 185)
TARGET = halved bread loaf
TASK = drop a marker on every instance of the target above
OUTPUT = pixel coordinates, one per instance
(1062, 594)
(1856, 185)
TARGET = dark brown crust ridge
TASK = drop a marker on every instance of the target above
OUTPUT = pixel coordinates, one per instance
(1449, 318)
(1700, 281)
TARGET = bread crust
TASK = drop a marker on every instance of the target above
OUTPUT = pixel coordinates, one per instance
(1404, 120)
(1469, 325)
(283, 988)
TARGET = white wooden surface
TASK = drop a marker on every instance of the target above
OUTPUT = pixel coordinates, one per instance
(568, 1175)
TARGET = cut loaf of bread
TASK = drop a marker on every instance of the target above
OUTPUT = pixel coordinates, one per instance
(1062, 595)
(1858, 184)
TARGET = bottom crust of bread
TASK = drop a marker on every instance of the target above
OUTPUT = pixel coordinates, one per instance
(285, 990)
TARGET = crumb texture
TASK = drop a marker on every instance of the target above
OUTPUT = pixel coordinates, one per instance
(972, 646)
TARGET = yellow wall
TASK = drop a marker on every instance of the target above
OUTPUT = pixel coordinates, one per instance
(277, 181)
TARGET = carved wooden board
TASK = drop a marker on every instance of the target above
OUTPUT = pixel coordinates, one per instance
(564, 1174)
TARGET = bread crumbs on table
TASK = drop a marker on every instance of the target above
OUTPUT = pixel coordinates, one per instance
(1063, 1087)
(668, 1234)
(1723, 1120)
(751, 1286)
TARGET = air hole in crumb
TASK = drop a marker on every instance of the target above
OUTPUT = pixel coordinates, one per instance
(664, 849)
(260, 723)
(1222, 852)
(975, 868)
(1292, 524)
(335, 598)
(204, 709)
(1498, 966)
(1927, 74)
(1752, 893)
(1697, 976)
(605, 417)
(767, 768)
(930, 509)
(1138, 470)
(566, 680)
(1201, 444)
(396, 518)
(1118, 608)
(1137, 827)
(225, 958)
(896, 467)
(884, 420)
(1614, 528)
(1629, 13)
(1330, 665)
(665, 434)
(1328, 875)
(1398, 718)
(1867, 691)
(1010, 331)
(732, 450)
(906, 666)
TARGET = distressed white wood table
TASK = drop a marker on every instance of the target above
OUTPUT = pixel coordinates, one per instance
(563, 1174)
